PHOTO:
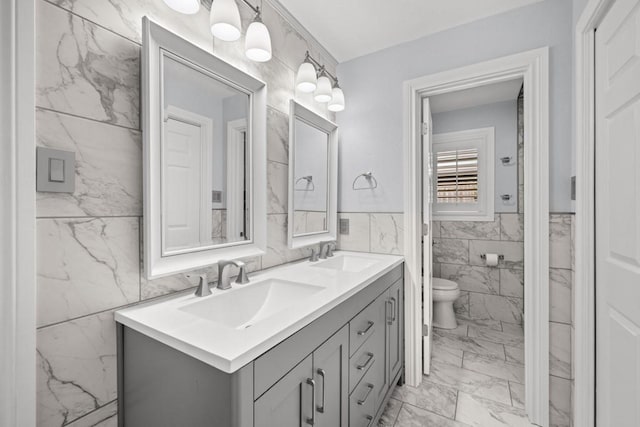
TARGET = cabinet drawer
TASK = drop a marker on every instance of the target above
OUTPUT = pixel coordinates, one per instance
(362, 402)
(361, 362)
(362, 327)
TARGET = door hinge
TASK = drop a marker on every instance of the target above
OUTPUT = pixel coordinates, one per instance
(425, 330)
(425, 229)
(425, 128)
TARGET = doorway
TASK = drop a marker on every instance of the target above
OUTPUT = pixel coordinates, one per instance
(532, 68)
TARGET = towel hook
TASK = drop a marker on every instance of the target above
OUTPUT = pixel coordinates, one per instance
(309, 179)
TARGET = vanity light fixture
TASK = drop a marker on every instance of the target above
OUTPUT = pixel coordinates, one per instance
(226, 25)
(313, 76)
(257, 45)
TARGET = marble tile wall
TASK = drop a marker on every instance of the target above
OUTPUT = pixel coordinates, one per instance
(487, 293)
(89, 242)
(373, 232)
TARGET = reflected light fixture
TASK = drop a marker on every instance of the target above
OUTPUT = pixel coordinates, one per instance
(257, 45)
(188, 7)
(314, 77)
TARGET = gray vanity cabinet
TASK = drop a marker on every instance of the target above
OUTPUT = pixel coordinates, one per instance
(288, 402)
(291, 401)
(337, 371)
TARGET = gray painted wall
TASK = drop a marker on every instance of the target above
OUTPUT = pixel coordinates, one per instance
(502, 116)
(371, 126)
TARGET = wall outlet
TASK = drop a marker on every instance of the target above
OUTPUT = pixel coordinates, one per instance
(216, 196)
(344, 225)
(573, 187)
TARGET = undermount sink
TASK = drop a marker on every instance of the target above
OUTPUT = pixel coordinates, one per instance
(349, 263)
(243, 307)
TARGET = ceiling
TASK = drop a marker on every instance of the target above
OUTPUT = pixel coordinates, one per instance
(349, 28)
(482, 95)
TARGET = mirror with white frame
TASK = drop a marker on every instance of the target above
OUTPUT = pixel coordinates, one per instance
(313, 161)
(204, 159)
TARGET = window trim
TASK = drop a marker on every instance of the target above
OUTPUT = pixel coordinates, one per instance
(483, 139)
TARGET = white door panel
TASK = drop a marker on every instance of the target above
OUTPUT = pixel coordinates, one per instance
(182, 169)
(618, 216)
(427, 198)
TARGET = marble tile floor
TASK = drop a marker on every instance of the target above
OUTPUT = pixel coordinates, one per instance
(477, 376)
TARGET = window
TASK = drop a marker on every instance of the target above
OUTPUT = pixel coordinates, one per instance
(463, 175)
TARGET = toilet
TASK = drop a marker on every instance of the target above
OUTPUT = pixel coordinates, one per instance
(444, 293)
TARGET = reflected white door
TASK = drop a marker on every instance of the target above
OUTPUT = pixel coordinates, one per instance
(427, 199)
(618, 216)
(187, 219)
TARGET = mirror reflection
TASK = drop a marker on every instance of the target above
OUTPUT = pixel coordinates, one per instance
(205, 159)
(311, 170)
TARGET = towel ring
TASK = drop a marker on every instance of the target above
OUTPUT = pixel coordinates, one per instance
(373, 182)
(309, 180)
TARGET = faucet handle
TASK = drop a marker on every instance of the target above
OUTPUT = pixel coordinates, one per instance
(203, 285)
(243, 276)
(314, 255)
(330, 248)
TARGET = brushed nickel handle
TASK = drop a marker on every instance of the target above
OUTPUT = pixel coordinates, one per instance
(388, 303)
(311, 421)
(366, 396)
(370, 418)
(364, 332)
(395, 309)
(322, 374)
(365, 364)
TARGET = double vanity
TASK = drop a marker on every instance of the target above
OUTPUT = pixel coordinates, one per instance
(311, 343)
(316, 342)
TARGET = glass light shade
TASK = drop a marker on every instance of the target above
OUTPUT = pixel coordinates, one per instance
(225, 20)
(337, 100)
(188, 7)
(323, 91)
(306, 80)
(257, 45)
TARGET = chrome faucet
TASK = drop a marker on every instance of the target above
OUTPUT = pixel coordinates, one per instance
(203, 286)
(314, 255)
(326, 249)
(224, 282)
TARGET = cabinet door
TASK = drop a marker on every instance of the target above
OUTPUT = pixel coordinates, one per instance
(394, 329)
(379, 375)
(331, 373)
(289, 402)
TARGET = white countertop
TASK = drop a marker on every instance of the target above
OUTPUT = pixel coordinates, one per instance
(230, 349)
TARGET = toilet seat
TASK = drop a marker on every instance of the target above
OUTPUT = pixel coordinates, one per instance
(443, 284)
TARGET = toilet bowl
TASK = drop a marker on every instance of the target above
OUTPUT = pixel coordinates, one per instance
(444, 293)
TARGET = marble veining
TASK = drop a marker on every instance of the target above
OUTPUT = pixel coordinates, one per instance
(277, 136)
(560, 241)
(105, 416)
(108, 172)
(277, 187)
(76, 368)
(86, 265)
(387, 233)
(359, 235)
(560, 295)
(560, 350)
(472, 278)
(435, 397)
(485, 230)
(84, 69)
(480, 412)
(451, 251)
(512, 227)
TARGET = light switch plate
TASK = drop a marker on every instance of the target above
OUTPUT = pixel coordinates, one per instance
(55, 171)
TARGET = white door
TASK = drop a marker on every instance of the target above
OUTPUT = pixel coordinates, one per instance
(187, 224)
(618, 216)
(427, 199)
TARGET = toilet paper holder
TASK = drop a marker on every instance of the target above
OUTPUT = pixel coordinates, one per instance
(500, 257)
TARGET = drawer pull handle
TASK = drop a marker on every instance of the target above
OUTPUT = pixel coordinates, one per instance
(370, 419)
(394, 309)
(386, 306)
(365, 364)
(364, 332)
(366, 396)
(322, 374)
(312, 383)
